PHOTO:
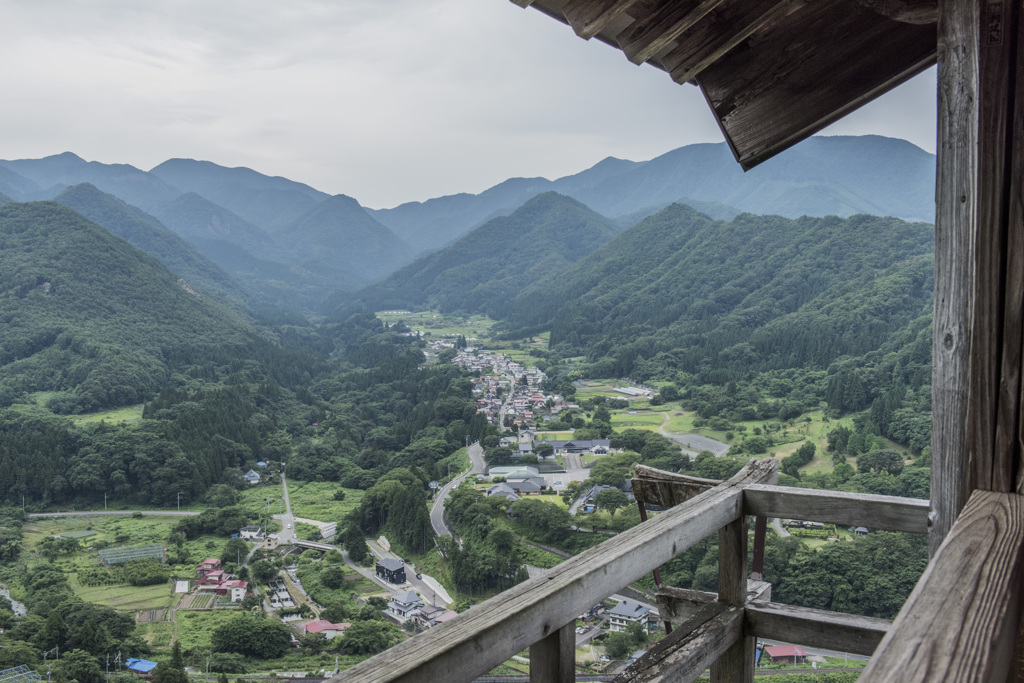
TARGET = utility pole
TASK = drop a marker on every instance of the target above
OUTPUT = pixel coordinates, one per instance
(179, 501)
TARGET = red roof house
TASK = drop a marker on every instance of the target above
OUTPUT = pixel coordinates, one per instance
(792, 654)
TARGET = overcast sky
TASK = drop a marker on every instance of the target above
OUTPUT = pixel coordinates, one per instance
(384, 100)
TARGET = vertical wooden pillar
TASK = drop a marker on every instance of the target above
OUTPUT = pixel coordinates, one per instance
(553, 659)
(736, 665)
(979, 286)
(955, 227)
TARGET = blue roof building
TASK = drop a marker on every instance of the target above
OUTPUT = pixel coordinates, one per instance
(140, 666)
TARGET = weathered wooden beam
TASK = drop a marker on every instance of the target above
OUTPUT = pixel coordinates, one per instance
(907, 11)
(666, 489)
(959, 35)
(960, 621)
(687, 652)
(477, 640)
(589, 17)
(797, 76)
(553, 659)
(681, 604)
(650, 34)
(705, 43)
(737, 663)
(890, 513)
(815, 627)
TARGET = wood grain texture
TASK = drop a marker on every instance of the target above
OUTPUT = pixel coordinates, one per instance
(589, 17)
(995, 54)
(890, 513)
(815, 627)
(960, 621)
(666, 489)
(680, 604)
(685, 654)
(955, 229)
(795, 77)
(737, 662)
(657, 30)
(477, 640)
(1008, 473)
(553, 659)
(708, 41)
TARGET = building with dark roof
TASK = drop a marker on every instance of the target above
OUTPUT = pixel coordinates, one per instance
(391, 570)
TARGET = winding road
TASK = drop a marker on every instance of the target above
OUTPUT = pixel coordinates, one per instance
(476, 457)
(695, 443)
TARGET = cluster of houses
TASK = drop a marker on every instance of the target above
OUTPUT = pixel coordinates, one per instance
(278, 595)
(210, 577)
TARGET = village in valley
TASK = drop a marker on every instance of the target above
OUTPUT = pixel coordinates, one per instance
(275, 547)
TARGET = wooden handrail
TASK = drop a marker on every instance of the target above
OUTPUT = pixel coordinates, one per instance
(488, 634)
(960, 621)
(889, 513)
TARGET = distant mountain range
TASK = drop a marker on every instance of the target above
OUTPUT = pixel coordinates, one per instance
(288, 244)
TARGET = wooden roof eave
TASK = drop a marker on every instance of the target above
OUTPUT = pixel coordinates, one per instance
(773, 72)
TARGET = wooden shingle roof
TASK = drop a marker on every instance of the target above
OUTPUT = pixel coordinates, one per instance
(773, 71)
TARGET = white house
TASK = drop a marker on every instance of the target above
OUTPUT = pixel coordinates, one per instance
(404, 606)
(250, 531)
(627, 612)
(251, 477)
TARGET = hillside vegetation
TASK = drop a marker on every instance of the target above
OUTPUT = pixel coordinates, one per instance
(87, 314)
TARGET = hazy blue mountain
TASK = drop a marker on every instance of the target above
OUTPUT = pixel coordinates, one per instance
(269, 202)
(4, 199)
(497, 260)
(196, 218)
(55, 173)
(821, 176)
(89, 314)
(151, 236)
(337, 237)
(17, 187)
(436, 222)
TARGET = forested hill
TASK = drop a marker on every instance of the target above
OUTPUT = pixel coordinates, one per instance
(680, 292)
(497, 260)
(90, 316)
(149, 235)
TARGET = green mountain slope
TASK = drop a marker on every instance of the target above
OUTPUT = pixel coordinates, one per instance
(681, 292)
(497, 260)
(149, 235)
(269, 202)
(340, 240)
(88, 314)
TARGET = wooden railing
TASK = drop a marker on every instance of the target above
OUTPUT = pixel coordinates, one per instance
(720, 630)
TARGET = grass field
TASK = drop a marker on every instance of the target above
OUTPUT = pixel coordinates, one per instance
(621, 419)
(315, 500)
(440, 325)
(195, 629)
(125, 597)
(554, 436)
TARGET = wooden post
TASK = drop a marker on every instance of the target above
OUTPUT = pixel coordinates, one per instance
(736, 665)
(955, 228)
(553, 659)
(979, 250)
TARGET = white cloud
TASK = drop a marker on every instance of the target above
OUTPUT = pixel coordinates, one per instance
(384, 100)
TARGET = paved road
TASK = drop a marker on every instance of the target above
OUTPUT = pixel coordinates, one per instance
(476, 457)
(694, 443)
(287, 533)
